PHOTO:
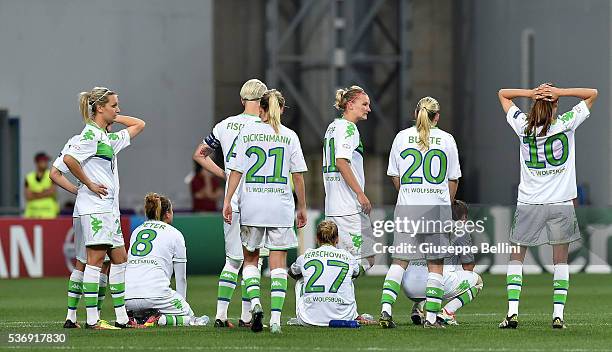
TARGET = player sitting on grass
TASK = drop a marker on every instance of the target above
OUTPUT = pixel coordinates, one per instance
(461, 284)
(156, 250)
(328, 273)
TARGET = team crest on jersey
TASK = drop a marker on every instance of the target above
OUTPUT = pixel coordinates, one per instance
(567, 116)
(88, 136)
(350, 130)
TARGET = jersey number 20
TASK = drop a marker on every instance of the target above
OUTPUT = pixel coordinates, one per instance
(417, 160)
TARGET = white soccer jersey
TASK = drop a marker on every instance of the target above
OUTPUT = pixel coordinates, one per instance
(266, 160)
(119, 141)
(154, 247)
(94, 152)
(224, 135)
(342, 142)
(424, 175)
(328, 292)
(548, 166)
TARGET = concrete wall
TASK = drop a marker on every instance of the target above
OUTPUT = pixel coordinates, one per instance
(572, 48)
(156, 54)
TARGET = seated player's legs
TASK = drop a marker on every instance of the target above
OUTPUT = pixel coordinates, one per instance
(172, 310)
(228, 279)
(460, 288)
(414, 284)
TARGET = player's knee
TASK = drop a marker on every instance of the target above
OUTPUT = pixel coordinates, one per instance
(479, 283)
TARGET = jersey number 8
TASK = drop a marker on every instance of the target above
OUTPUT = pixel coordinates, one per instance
(143, 246)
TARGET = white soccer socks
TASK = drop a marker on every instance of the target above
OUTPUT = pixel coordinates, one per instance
(252, 278)
(391, 287)
(102, 291)
(433, 296)
(117, 288)
(560, 287)
(227, 284)
(91, 279)
(278, 291)
(514, 283)
(75, 290)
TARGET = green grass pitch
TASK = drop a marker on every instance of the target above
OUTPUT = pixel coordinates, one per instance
(38, 305)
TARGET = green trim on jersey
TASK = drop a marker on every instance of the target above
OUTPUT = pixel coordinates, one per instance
(105, 151)
(359, 148)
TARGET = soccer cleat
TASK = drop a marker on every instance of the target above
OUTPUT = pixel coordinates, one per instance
(275, 328)
(101, 325)
(152, 320)
(366, 319)
(447, 318)
(293, 322)
(386, 321)
(131, 324)
(257, 316)
(223, 324)
(435, 325)
(69, 324)
(201, 321)
(243, 324)
(510, 322)
(417, 316)
(558, 323)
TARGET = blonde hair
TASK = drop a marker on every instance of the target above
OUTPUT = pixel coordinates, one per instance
(156, 206)
(346, 95)
(89, 101)
(327, 232)
(252, 89)
(273, 102)
(426, 110)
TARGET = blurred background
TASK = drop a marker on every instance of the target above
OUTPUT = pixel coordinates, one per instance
(179, 66)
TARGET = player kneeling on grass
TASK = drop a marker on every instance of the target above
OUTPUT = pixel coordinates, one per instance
(461, 284)
(156, 250)
(328, 272)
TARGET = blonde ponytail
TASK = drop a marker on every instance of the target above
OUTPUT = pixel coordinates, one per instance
(273, 103)
(89, 101)
(427, 108)
(84, 106)
(156, 206)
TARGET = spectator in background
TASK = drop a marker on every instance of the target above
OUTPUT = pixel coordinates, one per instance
(205, 190)
(40, 191)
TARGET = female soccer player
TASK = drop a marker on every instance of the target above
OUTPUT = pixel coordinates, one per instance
(91, 161)
(157, 249)
(267, 153)
(545, 209)
(119, 141)
(329, 272)
(345, 201)
(223, 137)
(424, 168)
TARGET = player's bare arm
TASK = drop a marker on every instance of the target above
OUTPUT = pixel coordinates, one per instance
(344, 166)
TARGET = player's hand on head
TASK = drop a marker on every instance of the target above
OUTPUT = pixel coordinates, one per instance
(366, 206)
(98, 189)
(301, 218)
(227, 213)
